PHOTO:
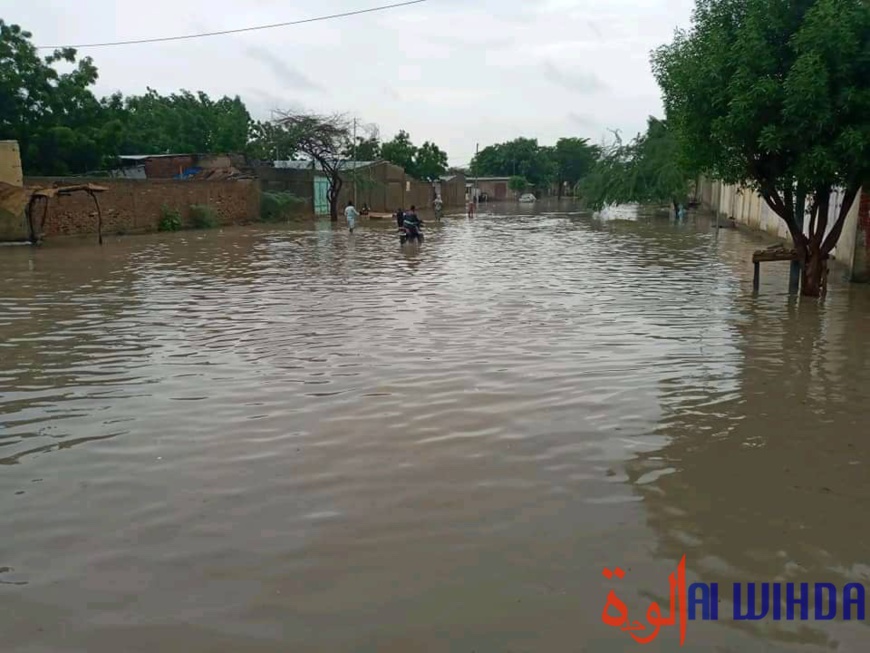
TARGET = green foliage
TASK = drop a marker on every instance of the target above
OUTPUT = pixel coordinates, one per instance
(518, 184)
(53, 116)
(425, 162)
(203, 216)
(279, 206)
(430, 162)
(520, 157)
(401, 151)
(775, 94)
(366, 149)
(170, 219)
(182, 123)
(574, 159)
(268, 141)
(647, 170)
(63, 129)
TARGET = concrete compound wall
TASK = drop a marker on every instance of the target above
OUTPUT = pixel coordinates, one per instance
(134, 205)
(10, 163)
(747, 208)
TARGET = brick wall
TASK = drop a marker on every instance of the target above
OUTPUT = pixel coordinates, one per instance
(420, 194)
(167, 167)
(135, 205)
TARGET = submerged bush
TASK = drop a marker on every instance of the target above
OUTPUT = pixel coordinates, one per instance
(202, 216)
(170, 219)
(279, 206)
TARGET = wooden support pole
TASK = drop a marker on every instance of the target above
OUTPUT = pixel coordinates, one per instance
(29, 214)
(99, 217)
(756, 276)
(794, 277)
(44, 215)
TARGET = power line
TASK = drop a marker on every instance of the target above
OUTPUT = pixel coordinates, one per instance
(236, 31)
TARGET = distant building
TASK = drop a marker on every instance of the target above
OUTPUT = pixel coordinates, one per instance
(381, 185)
(490, 188)
(451, 188)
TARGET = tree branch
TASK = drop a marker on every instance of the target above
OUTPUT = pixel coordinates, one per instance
(823, 201)
(848, 199)
(814, 211)
(775, 203)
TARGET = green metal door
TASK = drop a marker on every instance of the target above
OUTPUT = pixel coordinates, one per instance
(321, 201)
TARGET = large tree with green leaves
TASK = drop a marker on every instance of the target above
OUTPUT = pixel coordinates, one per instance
(518, 184)
(366, 148)
(400, 151)
(60, 126)
(269, 141)
(574, 159)
(430, 162)
(63, 129)
(775, 95)
(184, 122)
(425, 162)
(646, 170)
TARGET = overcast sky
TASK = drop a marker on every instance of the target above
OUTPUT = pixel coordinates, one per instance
(457, 72)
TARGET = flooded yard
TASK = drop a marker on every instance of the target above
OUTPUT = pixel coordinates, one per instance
(296, 439)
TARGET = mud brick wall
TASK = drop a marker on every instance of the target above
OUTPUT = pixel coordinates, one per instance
(135, 205)
(167, 167)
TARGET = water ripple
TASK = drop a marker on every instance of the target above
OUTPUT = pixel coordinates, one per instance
(297, 439)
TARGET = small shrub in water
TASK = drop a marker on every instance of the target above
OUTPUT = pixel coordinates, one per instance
(202, 216)
(278, 206)
(170, 220)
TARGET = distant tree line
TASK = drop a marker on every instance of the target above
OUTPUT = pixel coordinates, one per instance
(62, 128)
(535, 166)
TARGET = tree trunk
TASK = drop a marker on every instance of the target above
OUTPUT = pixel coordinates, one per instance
(814, 271)
(332, 194)
(676, 208)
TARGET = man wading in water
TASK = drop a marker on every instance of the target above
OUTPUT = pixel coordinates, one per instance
(351, 214)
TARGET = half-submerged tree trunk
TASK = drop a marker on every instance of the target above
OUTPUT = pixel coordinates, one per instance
(814, 270)
(813, 248)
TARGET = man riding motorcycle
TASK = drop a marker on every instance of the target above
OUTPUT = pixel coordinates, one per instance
(411, 224)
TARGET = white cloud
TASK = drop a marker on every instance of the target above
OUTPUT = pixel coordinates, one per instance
(456, 72)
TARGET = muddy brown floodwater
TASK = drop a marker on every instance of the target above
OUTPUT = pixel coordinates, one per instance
(293, 439)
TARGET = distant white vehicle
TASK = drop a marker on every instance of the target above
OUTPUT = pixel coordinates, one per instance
(527, 198)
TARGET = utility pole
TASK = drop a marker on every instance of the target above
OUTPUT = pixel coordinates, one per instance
(354, 162)
(474, 190)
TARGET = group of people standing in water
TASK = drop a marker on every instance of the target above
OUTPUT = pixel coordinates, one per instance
(408, 220)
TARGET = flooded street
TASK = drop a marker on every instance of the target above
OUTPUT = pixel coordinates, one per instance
(294, 439)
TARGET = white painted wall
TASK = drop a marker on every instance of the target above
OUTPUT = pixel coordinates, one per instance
(747, 208)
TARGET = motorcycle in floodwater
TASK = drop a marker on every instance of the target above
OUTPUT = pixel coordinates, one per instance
(410, 235)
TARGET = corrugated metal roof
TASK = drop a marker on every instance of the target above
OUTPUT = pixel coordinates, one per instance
(307, 165)
(143, 157)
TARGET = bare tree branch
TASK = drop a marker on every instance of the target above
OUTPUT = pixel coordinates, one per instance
(324, 139)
